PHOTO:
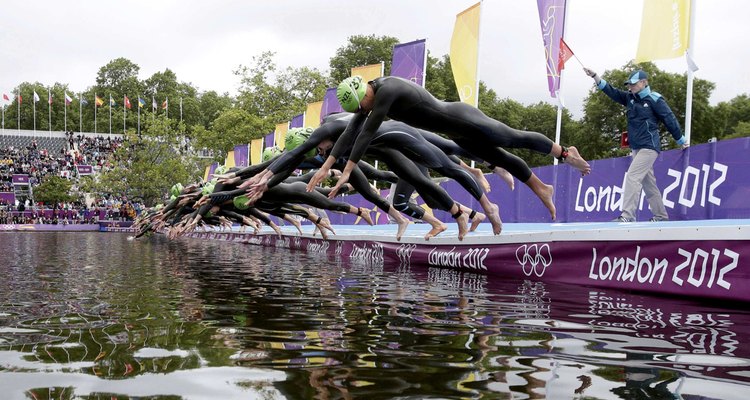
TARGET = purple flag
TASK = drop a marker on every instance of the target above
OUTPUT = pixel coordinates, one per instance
(297, 121)
(552, 20)
(330, 103)
(409, 61)
(241, 155)
(268, 140)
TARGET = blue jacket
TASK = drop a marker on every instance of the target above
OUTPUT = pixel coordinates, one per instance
(645, 110)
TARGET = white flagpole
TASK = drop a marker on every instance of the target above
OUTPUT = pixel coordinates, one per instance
(691, 65)
(49, 110)
(139, 115)
(479, 41)
(80, 113)
(95, 106)
(424, 65)
(33, 101)
(560, 106)
(65, 111)
(180, 109)
(123, 113)
(18, 100)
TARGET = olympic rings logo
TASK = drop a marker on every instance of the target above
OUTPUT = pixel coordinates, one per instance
(404, 252)
(534, 258)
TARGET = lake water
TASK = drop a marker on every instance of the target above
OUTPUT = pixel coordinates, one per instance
(100, 316)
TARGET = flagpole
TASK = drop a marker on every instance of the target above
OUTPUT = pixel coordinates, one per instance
(139, 115)
(123, 113)
(689, 55)
(49, 108)
(558, 124)
(479, 41)
(167, 108)
(33, 102)
(80, 113)
(65, 112)
(424, 66)
(18, 98)
(95, 106)
(181, 107)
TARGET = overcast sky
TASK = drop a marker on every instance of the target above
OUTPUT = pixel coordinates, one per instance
(204, 41)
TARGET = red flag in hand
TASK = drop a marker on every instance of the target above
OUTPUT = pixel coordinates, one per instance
(565, 54)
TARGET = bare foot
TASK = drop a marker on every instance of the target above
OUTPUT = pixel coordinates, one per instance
(296, 224)
(463, 225)
(481, 179)
(402, 224)
(545, 195)
(365, 214)
(325, 223)
(494, 216)
(505, 176)
(575, 160)
(437, 228)
(478, 219)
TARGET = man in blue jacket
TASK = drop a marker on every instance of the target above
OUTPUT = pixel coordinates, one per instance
(645, 109)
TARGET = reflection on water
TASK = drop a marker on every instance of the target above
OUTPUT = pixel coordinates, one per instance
(95, 315)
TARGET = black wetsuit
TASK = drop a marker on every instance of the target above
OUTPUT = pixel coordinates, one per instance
(404, 101)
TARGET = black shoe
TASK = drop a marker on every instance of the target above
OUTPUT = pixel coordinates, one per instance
(658, 219)
(622, 219)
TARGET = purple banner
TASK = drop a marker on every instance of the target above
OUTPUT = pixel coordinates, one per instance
(21, 179)
(297, 121)
(552, 21)
(242, 155)
(330, 103)
(7, 198)
(268, 140)
(409, 61)
(85, 169)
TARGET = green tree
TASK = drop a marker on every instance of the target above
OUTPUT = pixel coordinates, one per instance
(440, 82)
(54, 189)
(361, 50)
(277, 95)
(232, 127)
(148, 164)
(210, 106)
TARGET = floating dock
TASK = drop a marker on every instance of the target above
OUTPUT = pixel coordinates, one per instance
(705, 259)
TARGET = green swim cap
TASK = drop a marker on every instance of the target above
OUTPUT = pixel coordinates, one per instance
(270, 152)
(350, 92)
(176, 189)
(296, 136)
(220, 170)
(208, 188)
(241, 202)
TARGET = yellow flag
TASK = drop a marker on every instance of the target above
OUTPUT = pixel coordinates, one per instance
(664, 30)
(280, 134)
(464, 53)
(312, 114)
(229, 161)
(369, 72)
(205, 175)
(256, 151)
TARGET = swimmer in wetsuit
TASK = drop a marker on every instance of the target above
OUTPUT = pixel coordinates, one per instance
(407, 102)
